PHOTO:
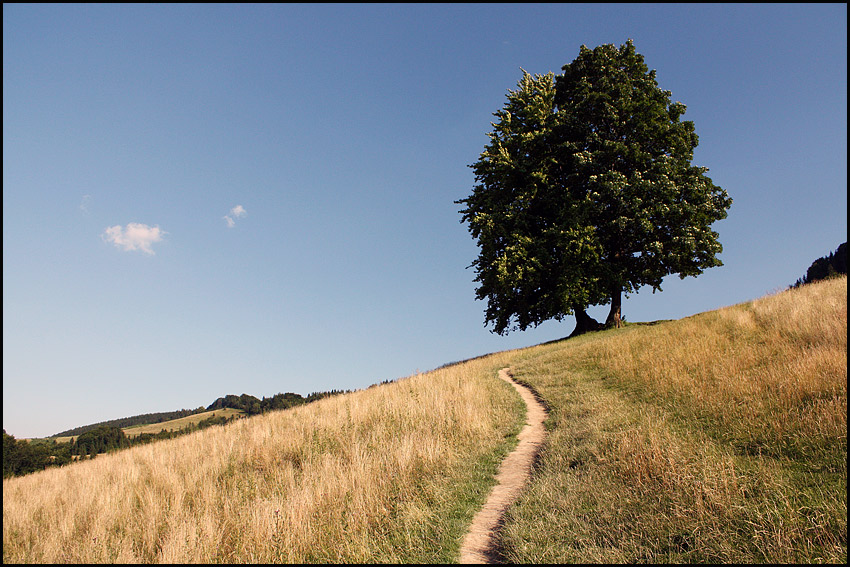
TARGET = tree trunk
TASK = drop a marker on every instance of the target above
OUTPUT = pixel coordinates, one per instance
(584, 322)
(614, 315)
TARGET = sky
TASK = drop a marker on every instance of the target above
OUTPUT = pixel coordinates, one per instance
(201, 200)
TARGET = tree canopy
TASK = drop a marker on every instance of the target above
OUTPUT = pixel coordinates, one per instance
(586, 191)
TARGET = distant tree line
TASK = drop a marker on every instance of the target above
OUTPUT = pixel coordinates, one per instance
(100, 440)
(21, 456)
(252, 405)
(826, 266)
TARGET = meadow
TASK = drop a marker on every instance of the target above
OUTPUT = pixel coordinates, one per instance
(715, 438)
(718, 438)
(392, 473)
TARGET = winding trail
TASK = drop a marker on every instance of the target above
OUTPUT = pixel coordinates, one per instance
(480, 543)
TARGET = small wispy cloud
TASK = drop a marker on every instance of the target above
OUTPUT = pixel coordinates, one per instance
(84, 205)
(135, 236)
(236, 212)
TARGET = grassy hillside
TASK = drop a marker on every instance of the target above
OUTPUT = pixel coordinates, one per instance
(393, 473)
(716, 438)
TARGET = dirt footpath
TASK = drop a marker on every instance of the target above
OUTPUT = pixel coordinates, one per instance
(479, 546)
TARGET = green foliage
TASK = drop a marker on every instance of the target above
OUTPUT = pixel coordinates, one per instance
(586, 191)
(252, 405)
(826, 266)
(100, 440)
(244, 402)
(315, 396)
(144, 438)
(533, 259)
(22, 457)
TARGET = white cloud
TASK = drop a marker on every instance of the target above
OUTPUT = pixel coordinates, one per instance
(84, 205)
(238, 211)
(135, 236)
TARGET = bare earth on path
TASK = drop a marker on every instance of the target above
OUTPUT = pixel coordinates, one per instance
(480, 543)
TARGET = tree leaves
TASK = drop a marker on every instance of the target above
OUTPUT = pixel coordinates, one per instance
(586, 191)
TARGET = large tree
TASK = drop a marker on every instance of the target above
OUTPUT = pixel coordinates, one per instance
(586, 191)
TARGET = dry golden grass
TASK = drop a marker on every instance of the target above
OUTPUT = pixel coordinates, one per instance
(717, 438)
(772, 372)
(375, 475)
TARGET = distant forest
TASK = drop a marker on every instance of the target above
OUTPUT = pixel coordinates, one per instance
(247, 403)
(143, 419)
(826, 267)
(252, 406)
(22, 456)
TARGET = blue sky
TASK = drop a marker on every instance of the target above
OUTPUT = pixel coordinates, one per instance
(210, 199)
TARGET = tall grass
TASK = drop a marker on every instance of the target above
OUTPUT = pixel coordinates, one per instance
(393, 473)
(717, 438)
(771, 374)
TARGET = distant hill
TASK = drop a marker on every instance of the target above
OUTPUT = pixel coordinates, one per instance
(143, 419)
(246, 402)
(185, 423)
